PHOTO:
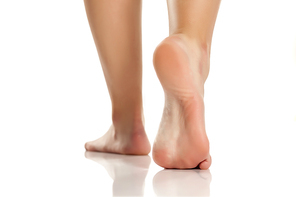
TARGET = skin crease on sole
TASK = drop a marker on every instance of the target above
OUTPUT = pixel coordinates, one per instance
(182, 69)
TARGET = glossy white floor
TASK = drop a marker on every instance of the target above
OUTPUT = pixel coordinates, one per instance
(53, 99)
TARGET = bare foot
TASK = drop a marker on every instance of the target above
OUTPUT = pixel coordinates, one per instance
(182, 69)
(126, 140)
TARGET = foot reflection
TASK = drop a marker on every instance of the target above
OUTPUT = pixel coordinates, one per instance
(182, 183)
(127, 171)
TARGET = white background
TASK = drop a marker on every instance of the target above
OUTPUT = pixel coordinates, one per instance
(53, 98)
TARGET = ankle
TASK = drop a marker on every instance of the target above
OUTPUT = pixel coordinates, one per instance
(128, 122)
(198, 49)
(195, 42)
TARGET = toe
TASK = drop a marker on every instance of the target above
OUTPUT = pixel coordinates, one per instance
(88, 146)
(205, 164)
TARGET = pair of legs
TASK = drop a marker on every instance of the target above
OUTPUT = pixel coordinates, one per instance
(181, 62)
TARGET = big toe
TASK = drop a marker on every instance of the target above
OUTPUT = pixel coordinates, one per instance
(205, 164)
(89, 146)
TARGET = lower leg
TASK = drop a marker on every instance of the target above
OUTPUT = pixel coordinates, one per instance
(182, 65)
(195, 21)
(116, 29)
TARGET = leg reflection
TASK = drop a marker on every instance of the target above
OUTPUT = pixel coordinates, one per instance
(182, 183)
(127, 171)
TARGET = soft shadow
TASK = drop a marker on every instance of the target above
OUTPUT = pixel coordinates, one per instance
(182, 183)
(127, 171)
